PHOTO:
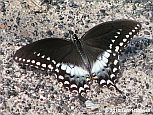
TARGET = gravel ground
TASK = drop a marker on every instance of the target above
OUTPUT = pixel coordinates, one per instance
(26, 92)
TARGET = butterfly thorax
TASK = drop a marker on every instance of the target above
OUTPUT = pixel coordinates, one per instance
(85, 59)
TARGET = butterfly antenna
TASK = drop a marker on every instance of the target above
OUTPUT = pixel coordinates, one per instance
(117, 89)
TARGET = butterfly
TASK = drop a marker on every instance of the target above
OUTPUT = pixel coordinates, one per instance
(77, 62)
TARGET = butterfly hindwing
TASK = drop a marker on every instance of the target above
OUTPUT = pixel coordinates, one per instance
(73, 77)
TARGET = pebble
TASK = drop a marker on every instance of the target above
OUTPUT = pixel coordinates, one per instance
(150, 15)
(49, 32)
(146, 32)
(137, 45)
(2, 6)
(66, 34)
(90, 105)
(73, 5)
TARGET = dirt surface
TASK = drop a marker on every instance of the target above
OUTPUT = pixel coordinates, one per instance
(27, 92)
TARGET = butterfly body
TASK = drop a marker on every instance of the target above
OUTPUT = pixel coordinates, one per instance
(85, 59)
(76, 62)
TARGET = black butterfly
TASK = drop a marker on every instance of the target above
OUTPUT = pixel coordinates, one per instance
(78, 61)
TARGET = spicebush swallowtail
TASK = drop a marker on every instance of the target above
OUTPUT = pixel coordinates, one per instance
(75, 62)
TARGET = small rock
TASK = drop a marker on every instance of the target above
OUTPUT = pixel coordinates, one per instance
(2, 6)
(49, 32)
(18, 20)
(66, 34)
(61, 17)
(73, 5)
(90, 105)
(146, 32)
(150, 13)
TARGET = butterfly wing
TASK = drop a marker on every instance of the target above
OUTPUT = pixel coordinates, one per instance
(59, 56)
(111, 34)
(103, 44)
(47, 50)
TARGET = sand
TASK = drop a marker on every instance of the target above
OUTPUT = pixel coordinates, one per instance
(34, 92)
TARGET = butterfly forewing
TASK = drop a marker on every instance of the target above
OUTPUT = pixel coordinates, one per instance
(111, 33)
(47, 50)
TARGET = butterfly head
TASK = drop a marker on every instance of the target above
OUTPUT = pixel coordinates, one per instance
(75, 37)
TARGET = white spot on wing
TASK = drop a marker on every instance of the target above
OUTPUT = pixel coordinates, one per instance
(68, 69)
(43, 56)
(110, 51)
(100, 63)
(130, 33)
(136, 28)
(33, 61)
(73, 70)
(28, 60)
(106, 54)
(37, 63)
(66, 82)
(71, 65)
(124, 40)
(115, 62)
(54, 62)
(117, 48)
(16, 58)
(104, 57)
(48, 58)
(113, 41)
(78, 71)
(38, 54)
(112, 76)
(114, 69)
(57, 70)
(98, 66)
(133, 30)
(116, 36)
(138, 25)
(57, 65)
(109, 82)
(105, 60)
(110, 46)
(60, 77)
(81, 89)
(73, 86)
(114, 54)
(63, 66)
(20, 59)
(50, 66)
(86, 86)
(121, 44)
(118, 32)
(127, 36)
(23, 60)
(102, 81)
(43, 65)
